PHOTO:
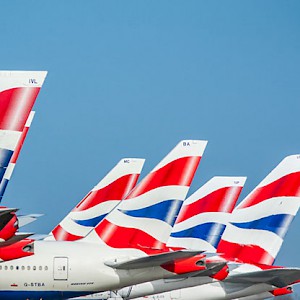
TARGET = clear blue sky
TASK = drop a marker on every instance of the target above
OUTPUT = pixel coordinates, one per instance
(132, 78)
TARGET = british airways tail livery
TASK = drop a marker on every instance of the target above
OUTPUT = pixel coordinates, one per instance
(260, 222)
(199, 225)
(144, 219)
(63, 269)
(99, 201)
(18, 92)
(10, 168)
(205, 214)
(9, 221)
(246, 280)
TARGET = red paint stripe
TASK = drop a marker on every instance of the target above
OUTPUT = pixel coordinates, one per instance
(16, 105)
(251, 254)
(117, 190)
(222, 200)
(178, 172)
(61, 235)
(288, 185)
(122, 237)
(17, 151)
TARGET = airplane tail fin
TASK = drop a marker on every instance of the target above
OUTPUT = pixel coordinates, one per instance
(18, 92)
(205, 214)
(99, 201)
(260, 222)
(144, 219)
(7, 171)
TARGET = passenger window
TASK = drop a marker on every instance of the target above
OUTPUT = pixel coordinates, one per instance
(46, 268)
(0, 267)
(23, 268)
(5, 267)
(28, 268)
(40, 268)
(34, 268)
(11, 267)
(17, 267)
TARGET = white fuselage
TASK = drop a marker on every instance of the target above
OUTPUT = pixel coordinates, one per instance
(195, 288)
(59, 270)
(213, 291)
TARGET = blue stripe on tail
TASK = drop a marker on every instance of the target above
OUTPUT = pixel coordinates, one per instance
(210, 232)
(90, 222)
(3, 185)
(5, 156)
(278, 224)
(165, 211)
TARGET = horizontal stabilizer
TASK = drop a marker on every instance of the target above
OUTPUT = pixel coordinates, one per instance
(27, 219)
(16, 238)
(153, 260)
(5, 210)
(276, 277)
(211, 269)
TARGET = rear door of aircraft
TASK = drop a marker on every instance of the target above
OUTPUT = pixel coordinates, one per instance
(60, 268)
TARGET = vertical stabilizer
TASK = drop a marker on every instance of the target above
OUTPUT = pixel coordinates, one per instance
(260, 222)
(99, 201)
(18, 92)
(10, 168)
(205, 214)
(145, 218)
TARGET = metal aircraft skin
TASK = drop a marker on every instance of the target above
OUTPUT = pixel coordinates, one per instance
(127, 247)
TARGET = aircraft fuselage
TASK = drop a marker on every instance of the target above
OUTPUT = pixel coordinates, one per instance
(59, 270)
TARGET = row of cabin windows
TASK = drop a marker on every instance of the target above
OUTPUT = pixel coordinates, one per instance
(28, 268)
